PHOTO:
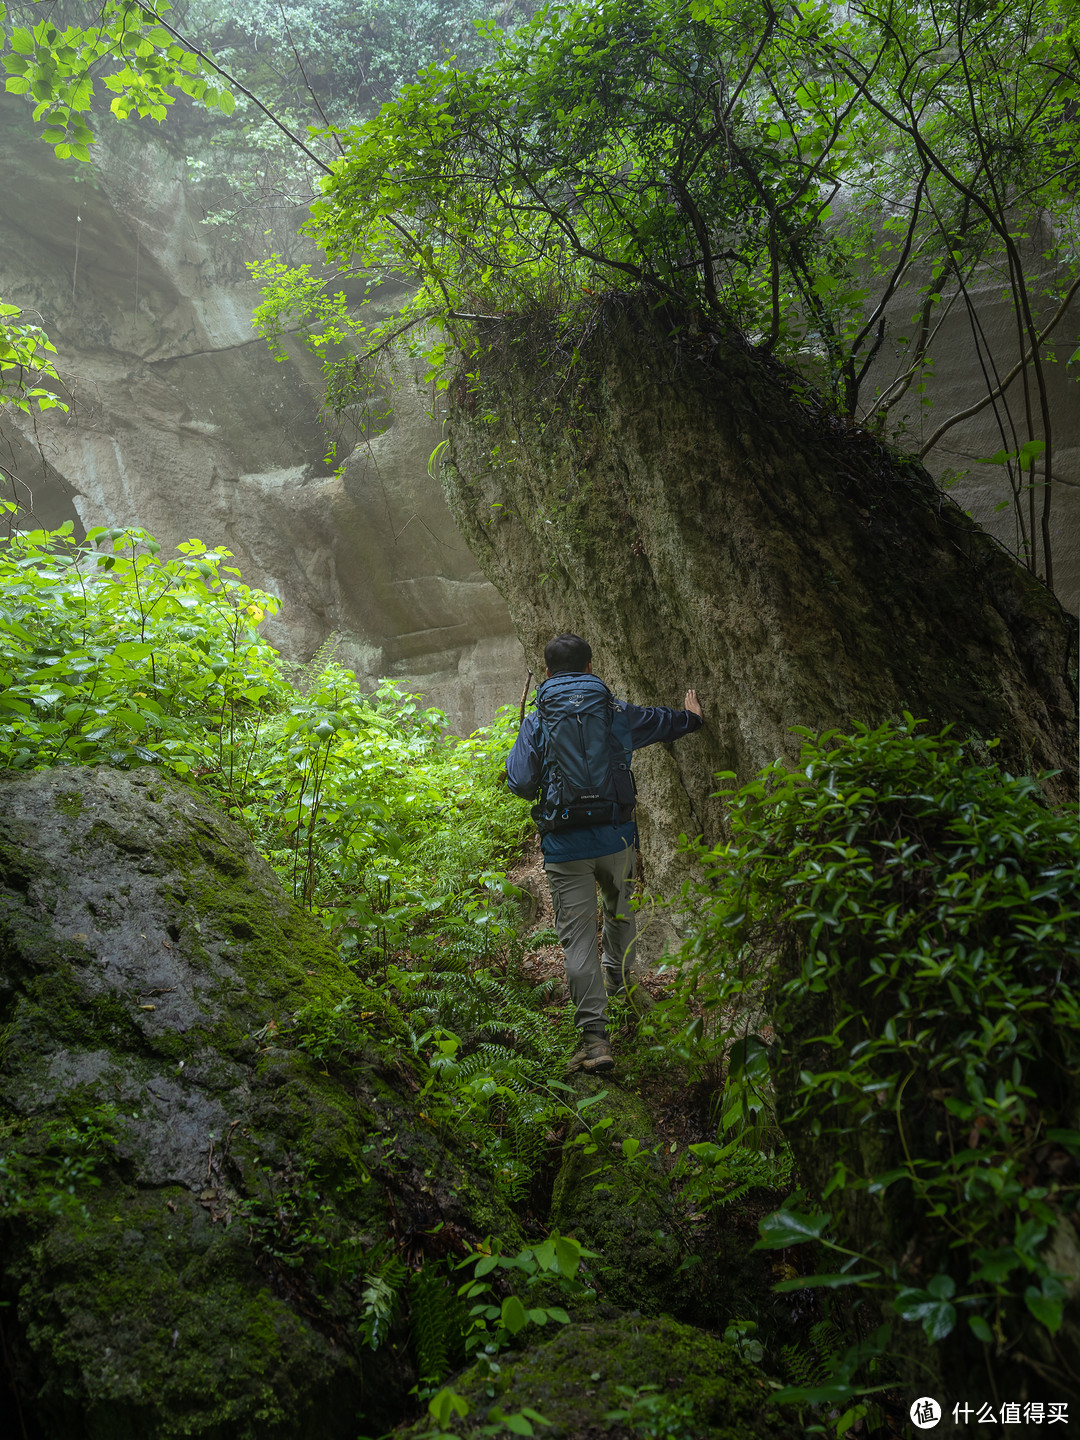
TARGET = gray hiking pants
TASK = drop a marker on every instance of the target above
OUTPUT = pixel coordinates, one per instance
(573, 885)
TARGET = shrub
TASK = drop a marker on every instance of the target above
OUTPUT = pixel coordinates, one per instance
(910, 920)
(373, 815)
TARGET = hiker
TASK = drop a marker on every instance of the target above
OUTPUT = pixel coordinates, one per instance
(573, 757)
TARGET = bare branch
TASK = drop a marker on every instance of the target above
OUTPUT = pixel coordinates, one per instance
(1006, 381)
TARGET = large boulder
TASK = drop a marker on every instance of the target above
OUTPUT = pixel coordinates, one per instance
(692, 512)
(215, 1160)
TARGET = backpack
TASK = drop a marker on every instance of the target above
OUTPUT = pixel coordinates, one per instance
(585, 771)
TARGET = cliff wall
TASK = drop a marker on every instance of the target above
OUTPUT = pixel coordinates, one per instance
(182, 423)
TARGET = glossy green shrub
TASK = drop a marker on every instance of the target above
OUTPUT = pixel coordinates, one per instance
(908, 918)
(111, 653)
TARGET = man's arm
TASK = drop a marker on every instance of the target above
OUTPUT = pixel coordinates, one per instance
(523, 762)
(652, 724)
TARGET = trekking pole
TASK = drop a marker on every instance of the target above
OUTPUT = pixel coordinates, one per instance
(524, 697)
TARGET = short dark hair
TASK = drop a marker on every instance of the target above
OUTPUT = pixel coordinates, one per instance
(567, 653)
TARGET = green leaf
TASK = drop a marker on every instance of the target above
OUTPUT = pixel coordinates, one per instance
(1047, 1304)
(514, 1316)
(1070, 1139)
(517, 1424)
(446, 1404)
(938, 1317)
(567, 1256)
(787, 1227)
(828, 1282)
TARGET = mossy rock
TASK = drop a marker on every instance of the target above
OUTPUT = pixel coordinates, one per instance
(656, 1252)
(619, 1207)
(205, 1165)
(701, 1386)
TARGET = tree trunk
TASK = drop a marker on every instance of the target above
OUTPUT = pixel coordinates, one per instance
(700, 518)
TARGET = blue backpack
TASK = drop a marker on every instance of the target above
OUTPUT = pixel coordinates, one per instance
(585, 770)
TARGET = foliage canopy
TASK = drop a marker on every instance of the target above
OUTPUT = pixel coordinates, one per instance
(789, 170)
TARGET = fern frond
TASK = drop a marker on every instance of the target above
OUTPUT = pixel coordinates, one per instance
(430, 1318)
(305, 677)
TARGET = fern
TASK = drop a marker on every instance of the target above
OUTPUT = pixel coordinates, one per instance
(812, 1364)
(801, 1367)
(438, 1320)
(306, 677)
(507, 1048)
(379, 1299)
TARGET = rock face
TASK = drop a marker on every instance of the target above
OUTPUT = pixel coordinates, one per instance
(217, 1132)
(634, 1216)
(182, 423)
(681, 507)
(955, 384)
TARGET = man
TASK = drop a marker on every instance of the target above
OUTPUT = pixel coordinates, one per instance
(587, 830)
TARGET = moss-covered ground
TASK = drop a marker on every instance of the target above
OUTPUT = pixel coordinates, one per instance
(670, 1380)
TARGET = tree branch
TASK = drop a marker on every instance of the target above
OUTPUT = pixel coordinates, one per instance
(242, 88)
(1006, 380)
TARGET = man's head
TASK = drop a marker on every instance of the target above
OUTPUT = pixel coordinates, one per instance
(567, 654)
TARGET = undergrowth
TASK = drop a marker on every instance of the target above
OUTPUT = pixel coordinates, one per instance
(377, 819)
(906, 919)
(879, 985)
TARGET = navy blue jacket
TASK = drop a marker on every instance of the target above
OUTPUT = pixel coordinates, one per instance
(635, 726)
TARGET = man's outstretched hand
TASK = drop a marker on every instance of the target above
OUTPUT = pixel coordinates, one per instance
(692, 703)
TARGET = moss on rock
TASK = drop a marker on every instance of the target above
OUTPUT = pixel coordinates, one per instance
(197, 1342)
(709, 1391)
(618, 1206)
(195, 1263)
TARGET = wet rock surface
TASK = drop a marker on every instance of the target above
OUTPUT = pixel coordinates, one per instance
(182, 422)
(701, 523)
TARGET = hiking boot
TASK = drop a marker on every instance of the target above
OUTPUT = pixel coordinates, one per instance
(594, 1055)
